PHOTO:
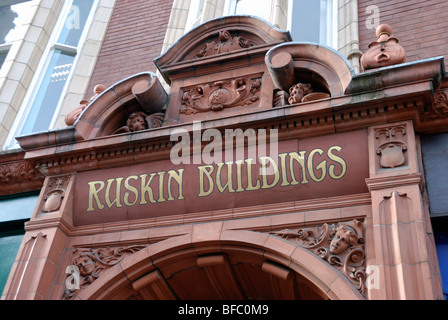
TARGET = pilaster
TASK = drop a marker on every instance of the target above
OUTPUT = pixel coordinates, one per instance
(402, 241)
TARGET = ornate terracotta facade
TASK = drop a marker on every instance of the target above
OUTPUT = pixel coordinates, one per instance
(343, 217)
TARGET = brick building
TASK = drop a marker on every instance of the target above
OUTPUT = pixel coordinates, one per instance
(81, 184)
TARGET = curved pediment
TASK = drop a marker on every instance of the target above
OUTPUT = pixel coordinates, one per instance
(312, 66)
(133, 104)
(227, 36)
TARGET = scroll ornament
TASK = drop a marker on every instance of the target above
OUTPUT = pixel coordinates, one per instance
(92, 262)
(226, 43)
(220, 95)
(440, 107)
(341, 245)
(18, 171)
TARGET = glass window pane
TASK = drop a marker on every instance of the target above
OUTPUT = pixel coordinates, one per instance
(75, 22)
(305, 18)
(15, 208)
(12, 17)
(2, 58)
(49, 93)
(9, 246)
(259, 8)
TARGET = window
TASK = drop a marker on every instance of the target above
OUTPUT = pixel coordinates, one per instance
(313, 21)
(195, 15)
(42, 103)
(13, 14)
(258, 8)
(15, 211)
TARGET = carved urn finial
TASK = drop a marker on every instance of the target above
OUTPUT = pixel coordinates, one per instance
(71, 117)
(385, 51)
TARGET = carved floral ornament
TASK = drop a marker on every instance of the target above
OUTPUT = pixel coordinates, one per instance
(92, 262)
(221, 94)
(18, 171)
(440, 107)
(225, 43)
(340, 245)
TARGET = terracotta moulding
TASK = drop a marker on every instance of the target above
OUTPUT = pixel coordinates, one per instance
(218, 42)
(384, 52)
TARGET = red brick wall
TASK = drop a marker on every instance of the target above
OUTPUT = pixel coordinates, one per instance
(134, 38)
(421, 26)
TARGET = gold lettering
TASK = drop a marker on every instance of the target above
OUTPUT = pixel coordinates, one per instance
(321, 166)
(228, 184)
(207, 170)
(250, 186)
(146, 189)
(300, 159)
(178, 178)
(338, 160)
(132, 189)
(264, 170)
(116, 201)
(239, 176)
(161, 175)
(93, 194)
(285, 181)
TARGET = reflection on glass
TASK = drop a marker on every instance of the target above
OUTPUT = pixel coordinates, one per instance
(2, 58)
(9, 246)
(75, 22)
(259, 8)
(49, 93)
(11, 18)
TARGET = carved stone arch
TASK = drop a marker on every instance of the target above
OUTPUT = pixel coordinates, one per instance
(229, 37)
(109, 111)
(148, 272)
(323, 67)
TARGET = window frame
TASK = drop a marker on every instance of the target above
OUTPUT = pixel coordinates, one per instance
(331, 27)
(42, 69)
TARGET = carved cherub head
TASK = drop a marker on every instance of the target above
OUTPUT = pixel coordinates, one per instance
(298, 91)
(344, 238)
(137, 122)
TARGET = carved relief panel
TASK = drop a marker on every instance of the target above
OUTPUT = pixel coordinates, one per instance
(90, 263)
(55, 191)
(219, 95)
(392, 147)
(341, 245)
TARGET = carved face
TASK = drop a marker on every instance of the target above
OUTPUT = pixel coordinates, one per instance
(342, 240)
(136, 122)
(298, 91)
(85, 264)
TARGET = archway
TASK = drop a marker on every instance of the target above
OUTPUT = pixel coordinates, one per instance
(241, 265)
